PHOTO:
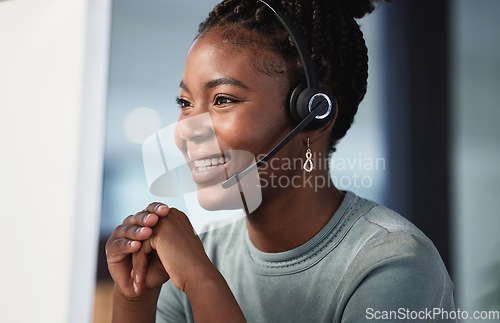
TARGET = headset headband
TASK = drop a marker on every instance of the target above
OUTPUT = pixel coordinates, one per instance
(300, 44)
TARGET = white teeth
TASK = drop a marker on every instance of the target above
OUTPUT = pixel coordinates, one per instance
(204, 164)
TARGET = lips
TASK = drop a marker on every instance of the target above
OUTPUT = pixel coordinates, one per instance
(210, 169)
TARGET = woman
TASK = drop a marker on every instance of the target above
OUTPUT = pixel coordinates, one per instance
(306, 253)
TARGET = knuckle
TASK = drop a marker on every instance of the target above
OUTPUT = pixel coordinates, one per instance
(121, 228)
(156, 205)
(129, 219)
(145, 217)
(132, 229)
(113, 244)
(151, 206)
(126, 230)
(117, 232)
(125, 244)
(108, 244)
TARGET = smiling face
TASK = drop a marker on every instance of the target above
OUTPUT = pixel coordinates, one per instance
(228, 106)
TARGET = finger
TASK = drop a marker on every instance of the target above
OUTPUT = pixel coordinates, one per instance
(139, 263)
(143, 218)
(119, 249)
(124, 241)
(132, 232)
(158, 208)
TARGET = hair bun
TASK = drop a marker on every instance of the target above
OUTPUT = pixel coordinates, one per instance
(359, 8)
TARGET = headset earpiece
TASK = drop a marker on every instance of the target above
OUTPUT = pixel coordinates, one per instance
(303, 100)
(294, 97)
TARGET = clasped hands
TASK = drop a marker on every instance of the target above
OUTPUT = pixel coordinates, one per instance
(155, 245)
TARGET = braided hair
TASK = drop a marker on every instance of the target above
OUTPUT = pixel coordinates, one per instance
(329, 27)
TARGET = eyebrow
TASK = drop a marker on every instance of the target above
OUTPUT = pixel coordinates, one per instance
(183, 86)
(220, 81)
(225, 81)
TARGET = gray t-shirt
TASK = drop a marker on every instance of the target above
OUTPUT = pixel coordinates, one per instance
(367, 262)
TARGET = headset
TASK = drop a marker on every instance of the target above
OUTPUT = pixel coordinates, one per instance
(312, 104)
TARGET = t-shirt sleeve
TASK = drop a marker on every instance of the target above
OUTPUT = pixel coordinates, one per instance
(172, 305)
(398, 276)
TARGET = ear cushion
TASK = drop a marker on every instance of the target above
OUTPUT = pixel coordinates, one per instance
(294, 97)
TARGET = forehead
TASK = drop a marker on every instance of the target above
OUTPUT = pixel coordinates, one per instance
(212, 50)
(229, 48)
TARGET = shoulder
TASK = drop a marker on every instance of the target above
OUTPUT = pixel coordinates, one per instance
(390, 221)
(386, 233)
(377, 239)
(392, 254)
(380, 233)
(391, 264)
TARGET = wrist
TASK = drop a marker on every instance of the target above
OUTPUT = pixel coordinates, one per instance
(204, 280)
(150, 296)
(212, 300)
(135, 309)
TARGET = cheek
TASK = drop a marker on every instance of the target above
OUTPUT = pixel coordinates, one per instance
(252, 132)
(237, 137)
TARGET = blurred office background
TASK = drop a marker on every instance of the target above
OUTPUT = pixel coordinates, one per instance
(431, 116)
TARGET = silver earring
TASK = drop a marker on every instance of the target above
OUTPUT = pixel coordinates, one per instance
(308, 165)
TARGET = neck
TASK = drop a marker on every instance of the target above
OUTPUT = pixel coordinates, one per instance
(288, 218)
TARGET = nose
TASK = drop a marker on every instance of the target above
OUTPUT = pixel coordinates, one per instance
(196, 129)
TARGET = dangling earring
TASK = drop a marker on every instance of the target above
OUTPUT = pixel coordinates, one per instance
(308, 165)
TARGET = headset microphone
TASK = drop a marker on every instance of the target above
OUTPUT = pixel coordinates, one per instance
(312, 105)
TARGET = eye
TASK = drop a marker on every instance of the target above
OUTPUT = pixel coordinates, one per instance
(221, 100)
(183, 103)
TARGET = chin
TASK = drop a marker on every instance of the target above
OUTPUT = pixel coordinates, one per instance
(215, 198)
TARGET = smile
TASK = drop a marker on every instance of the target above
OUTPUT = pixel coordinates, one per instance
(209, 163)
(210, 170)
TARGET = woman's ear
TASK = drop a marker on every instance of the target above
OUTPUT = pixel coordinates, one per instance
(324, 131)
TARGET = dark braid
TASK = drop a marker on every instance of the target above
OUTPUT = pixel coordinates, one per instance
(329, 27)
